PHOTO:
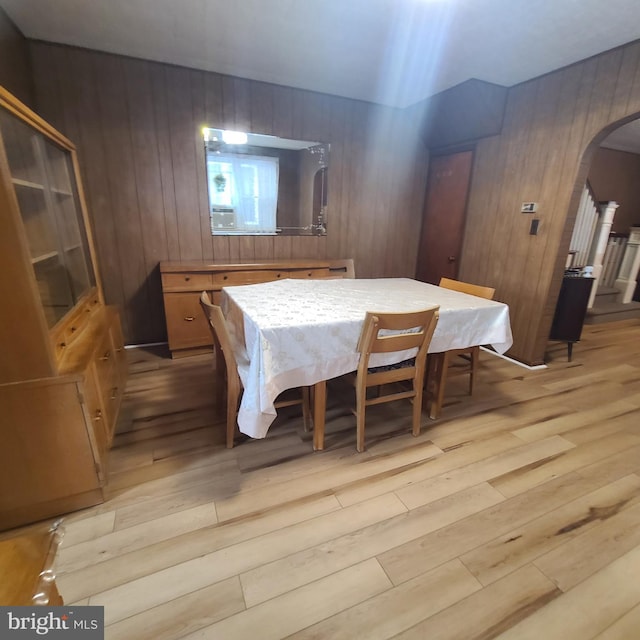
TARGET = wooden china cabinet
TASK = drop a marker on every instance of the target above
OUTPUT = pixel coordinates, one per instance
(62, 360)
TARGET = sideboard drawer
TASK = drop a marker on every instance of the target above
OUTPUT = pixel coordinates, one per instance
(309, 273)
(230, 278)
(186, 322)
(186, 281)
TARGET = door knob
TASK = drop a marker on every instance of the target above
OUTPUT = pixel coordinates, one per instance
(451, 258)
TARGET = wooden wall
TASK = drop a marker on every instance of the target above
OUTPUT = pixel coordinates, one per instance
(137, 126)
(615, 175)
(15, 62)
(551, 128)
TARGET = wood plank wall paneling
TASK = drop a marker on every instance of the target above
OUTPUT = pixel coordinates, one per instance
(552, 126)
(137, 126)
(15, 61)
(148, 208)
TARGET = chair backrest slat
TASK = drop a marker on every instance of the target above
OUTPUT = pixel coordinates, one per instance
(415, 329)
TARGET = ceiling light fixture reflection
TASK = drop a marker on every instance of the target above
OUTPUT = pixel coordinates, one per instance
(234, 137)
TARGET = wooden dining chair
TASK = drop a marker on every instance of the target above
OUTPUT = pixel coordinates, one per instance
(408, 331)
(228, 377)
(456, 361)
(342, 268)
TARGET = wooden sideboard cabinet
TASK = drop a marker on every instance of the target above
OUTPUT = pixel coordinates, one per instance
(63, 366)
(183, 282)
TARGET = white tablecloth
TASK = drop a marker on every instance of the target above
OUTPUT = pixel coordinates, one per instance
(292, 333)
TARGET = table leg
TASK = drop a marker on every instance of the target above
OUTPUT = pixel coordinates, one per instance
(436, 378)
(319, 410)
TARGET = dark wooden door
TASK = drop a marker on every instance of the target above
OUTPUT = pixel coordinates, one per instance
(444, 216)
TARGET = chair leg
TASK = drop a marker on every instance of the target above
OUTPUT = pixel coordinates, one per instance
(417, 407)
(232, 414)
(475, 362)
(306, 408)
(361, 396)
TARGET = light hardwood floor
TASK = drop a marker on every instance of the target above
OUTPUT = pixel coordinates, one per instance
(514, 515)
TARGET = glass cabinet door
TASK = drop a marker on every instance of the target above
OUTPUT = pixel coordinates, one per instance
(45, 188)
(71, 229)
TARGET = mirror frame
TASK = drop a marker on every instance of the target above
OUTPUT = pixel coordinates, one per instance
(302, 170)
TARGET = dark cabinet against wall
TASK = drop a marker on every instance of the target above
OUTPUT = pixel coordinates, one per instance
(571, 310)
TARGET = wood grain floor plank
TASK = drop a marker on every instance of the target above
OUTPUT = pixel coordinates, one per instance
(487, 612)
(519, 546)
(297, 569)
(293, 489)
(528, 476)
(577, 559)
(625, 628)
(177, 580)
(602, 413)
(154, 557)
(589, 608)
(291, 612)
(87, 528)
(399, 608)
(511, 460)
(406, 561)
(405, 475)
(183, 615)
(125, 540)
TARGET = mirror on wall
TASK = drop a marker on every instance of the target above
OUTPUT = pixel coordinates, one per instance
(265, 185)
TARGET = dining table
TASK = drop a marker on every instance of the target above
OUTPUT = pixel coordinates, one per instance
(293, 332)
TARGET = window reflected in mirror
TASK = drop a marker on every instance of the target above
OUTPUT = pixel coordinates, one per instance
(259, 184)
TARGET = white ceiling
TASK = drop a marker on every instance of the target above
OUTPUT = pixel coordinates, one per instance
(393, 52)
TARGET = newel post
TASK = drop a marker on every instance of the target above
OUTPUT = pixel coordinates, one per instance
(626, 280)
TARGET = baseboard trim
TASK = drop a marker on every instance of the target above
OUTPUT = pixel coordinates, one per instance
(146, 344)
(537, 367)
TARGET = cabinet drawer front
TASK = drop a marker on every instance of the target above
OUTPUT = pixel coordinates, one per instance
(309, 273)
(186, 281)
(97, 418)
(117, 344)
(106, 377)
(186, 323)
(230, 278)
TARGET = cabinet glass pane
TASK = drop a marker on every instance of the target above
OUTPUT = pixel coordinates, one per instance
(71, 227)
(24, 150)
(46, 191)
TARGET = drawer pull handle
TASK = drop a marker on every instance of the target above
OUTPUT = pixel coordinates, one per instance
(187, 278)
(74, 329)
(62, 345)
(225, 277)
(106, 356)
(98, 415)
(189, 318)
